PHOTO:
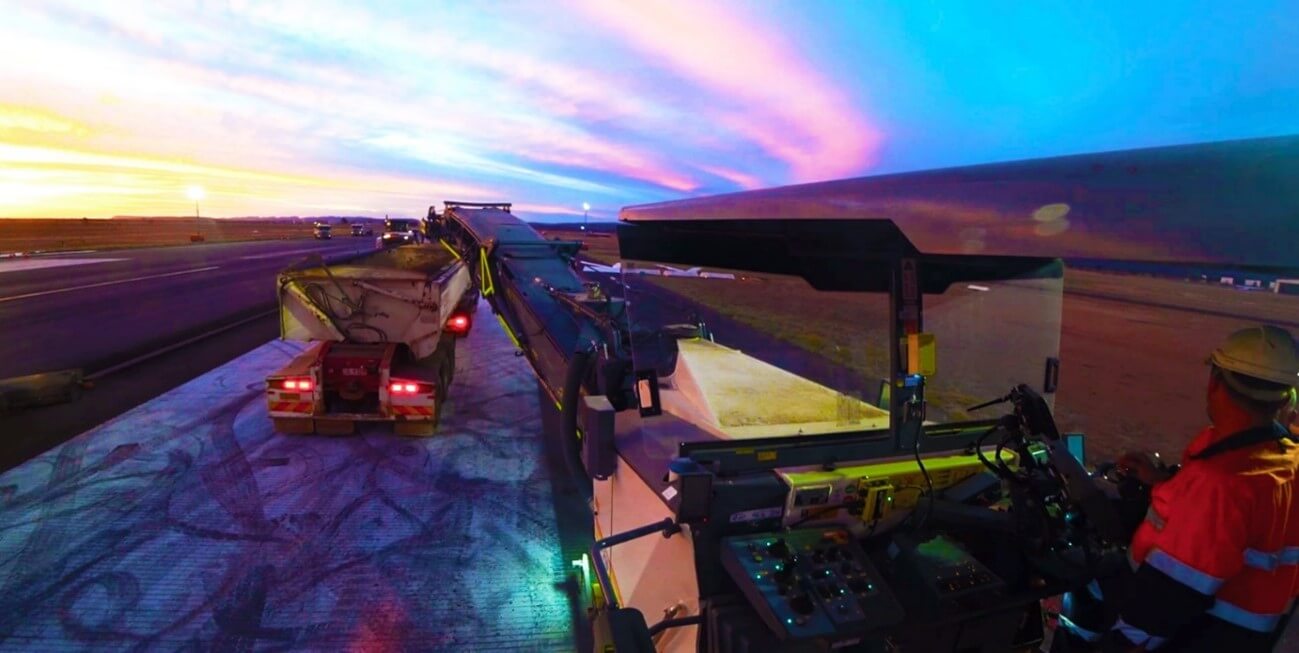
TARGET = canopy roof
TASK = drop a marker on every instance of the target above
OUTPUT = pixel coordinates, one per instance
(1230, 203)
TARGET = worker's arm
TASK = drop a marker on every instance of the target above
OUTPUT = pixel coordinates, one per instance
(1199, 537)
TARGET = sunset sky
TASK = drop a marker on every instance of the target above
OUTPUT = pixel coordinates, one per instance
(314, 108)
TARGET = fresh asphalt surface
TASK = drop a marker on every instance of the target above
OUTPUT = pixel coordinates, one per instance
(187, 523)
(93, 309)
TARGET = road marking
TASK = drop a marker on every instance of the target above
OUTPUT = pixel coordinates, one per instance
(290, 253)
(104, 283)
(75, 251)
(20, 265)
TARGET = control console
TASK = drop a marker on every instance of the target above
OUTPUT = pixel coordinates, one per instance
(940, 571)
(810, 583)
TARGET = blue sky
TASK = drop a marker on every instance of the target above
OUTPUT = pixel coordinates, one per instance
(333, 108)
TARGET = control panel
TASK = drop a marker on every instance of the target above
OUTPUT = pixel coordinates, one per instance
(939, 569)
(810, 583)
(872, 491)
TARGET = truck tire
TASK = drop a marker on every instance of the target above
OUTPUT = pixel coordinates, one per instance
(450, 364)
(446, 372)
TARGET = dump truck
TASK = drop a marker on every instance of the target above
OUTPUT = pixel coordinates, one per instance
(383, 331)
(322, 231)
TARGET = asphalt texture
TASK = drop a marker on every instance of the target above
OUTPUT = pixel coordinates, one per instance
(92, 309)
(187, 523)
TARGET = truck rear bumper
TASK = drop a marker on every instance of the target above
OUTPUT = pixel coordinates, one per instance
(424, 414)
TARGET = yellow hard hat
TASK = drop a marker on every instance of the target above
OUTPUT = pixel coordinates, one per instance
(1266, 353)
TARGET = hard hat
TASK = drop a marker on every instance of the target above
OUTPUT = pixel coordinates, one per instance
(1266, 353)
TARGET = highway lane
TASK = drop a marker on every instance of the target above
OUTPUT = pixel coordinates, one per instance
(92, 309)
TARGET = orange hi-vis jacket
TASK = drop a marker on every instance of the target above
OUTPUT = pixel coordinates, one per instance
(1227, 527)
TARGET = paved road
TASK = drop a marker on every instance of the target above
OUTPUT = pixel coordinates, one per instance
(187, 523)
(91, 309)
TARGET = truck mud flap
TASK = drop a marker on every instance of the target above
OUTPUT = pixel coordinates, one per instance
(419, 429)
(335, 426)
(293, 425)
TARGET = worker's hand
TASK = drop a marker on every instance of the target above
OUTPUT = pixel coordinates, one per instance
(1289, 417)
(1143, 465)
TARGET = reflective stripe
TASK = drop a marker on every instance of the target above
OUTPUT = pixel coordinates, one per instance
(1154, 518)
(290, 407)
(1234, 614)
(1270, 561)
(1183, 573)
(1079, 631)
(1138, 636)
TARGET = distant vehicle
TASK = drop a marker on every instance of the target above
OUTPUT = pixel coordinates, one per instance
(322, 231)
(1286, 287)
(400, 232)
(362, 230)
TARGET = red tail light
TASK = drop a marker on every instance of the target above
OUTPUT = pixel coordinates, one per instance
(407, 388)
(458, 324)
(297, 384)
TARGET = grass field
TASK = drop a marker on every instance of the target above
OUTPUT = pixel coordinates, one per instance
(29, 235)
(1132, 348)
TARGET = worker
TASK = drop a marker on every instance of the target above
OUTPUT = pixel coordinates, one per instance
(1216, 561)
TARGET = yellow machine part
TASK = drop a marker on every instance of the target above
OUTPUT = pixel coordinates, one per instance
(885, 486)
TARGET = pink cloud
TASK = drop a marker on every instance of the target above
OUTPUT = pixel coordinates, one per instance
(790, 109)
(547, 209)
(538, 139)
(741, 179)
(575, 148)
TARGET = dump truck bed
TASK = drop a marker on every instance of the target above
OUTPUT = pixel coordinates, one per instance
(403, 295)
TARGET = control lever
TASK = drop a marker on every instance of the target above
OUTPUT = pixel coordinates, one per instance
(785, 575)
(993, 402)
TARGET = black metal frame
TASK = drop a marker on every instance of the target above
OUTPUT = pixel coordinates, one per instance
(667, 527)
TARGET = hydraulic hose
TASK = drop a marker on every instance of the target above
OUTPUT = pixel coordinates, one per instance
(578, 367)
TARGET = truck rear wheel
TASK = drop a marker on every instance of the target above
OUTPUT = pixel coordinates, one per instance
(446, 372)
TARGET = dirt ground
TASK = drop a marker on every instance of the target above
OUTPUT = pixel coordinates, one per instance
(1132, 352)
(28, 235)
